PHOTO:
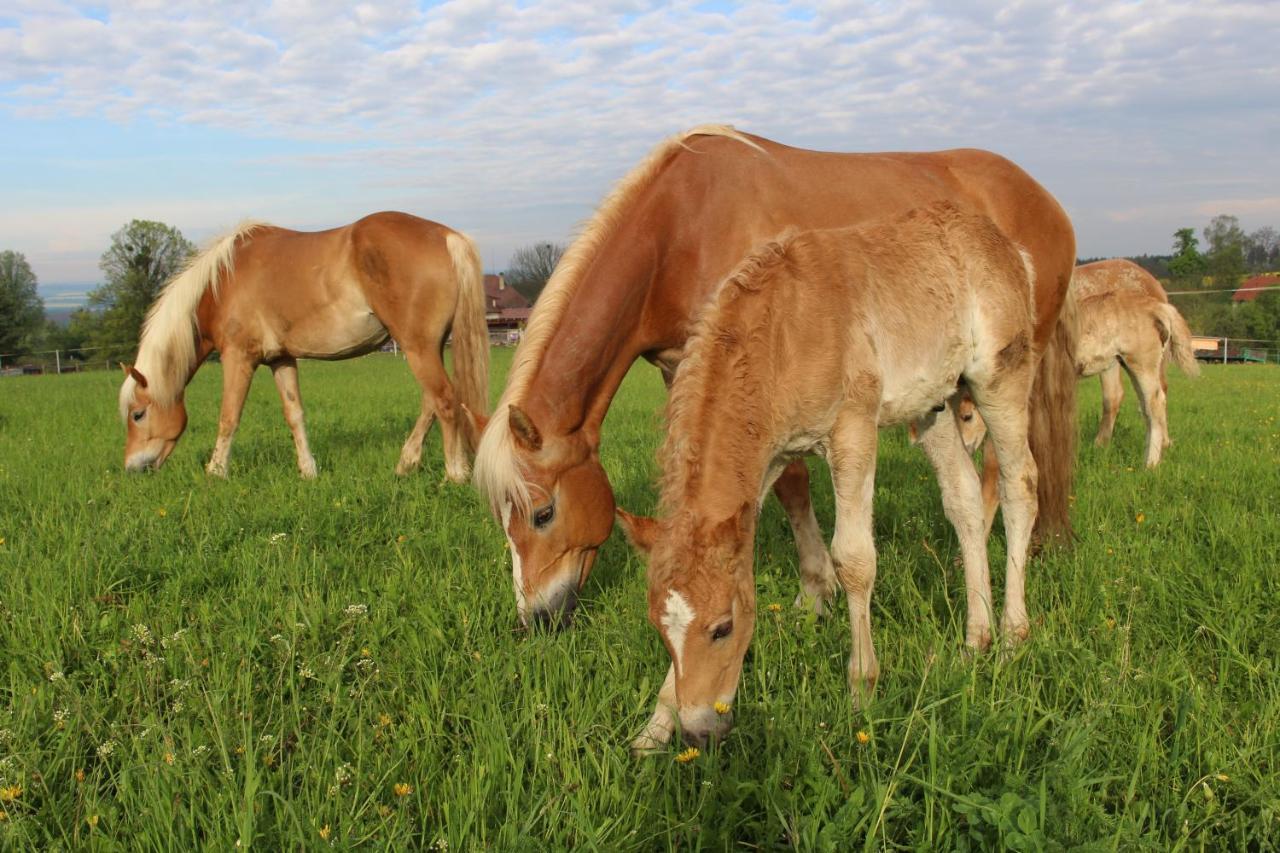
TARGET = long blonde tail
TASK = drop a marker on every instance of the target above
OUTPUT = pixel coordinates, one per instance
(1180, 341)
(470, 334)
(1053, 426)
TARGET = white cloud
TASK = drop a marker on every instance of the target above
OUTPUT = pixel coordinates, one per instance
(544, 103)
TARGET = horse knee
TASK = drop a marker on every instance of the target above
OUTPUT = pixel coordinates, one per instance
(855, 566)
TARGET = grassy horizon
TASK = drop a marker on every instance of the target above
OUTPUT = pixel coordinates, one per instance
(194, 663)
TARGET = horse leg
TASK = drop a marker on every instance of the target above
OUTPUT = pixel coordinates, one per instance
(962, 503)
(1151, 399)
(438, 400)
(237, 375)
(657, 732)
(1112, 395)
(990, 486)
(817, 575)
(1005, 411)
(853, 468)
(285, 373)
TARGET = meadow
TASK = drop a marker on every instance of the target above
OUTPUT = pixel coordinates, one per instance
(189, 663)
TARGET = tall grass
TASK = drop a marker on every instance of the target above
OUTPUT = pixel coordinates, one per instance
(194, 663)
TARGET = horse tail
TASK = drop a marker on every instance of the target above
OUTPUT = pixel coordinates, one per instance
(1052, 431)
(470, 333)
(1179, 340)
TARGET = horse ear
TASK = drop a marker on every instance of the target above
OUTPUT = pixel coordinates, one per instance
(478, 421)
(527, 435)
(641, 531)
(130, 370)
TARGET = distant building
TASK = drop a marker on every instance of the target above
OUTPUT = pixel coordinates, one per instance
(505, 309)
(1251, 287)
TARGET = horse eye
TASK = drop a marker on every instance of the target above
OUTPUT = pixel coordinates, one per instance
(137, 416)
(543, 515)
(966, 418)
(722, 630)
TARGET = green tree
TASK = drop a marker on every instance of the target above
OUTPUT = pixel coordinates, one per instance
(1262, 249)
(1225, 258)
(532, 266)
(21, 308)
(1187, 264)
(143, 256)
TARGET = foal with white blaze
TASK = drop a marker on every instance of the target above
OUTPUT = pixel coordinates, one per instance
(813, 344)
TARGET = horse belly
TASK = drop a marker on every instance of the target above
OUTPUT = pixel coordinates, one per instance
(341, 329)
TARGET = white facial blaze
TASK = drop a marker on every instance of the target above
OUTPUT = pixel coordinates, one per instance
(517, 572)
(676, 619)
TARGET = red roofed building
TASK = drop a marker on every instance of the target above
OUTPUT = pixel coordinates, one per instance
(1251, 287)
(505, 309)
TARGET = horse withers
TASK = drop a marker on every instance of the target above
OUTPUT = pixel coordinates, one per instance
(267, 295)
(816, 342)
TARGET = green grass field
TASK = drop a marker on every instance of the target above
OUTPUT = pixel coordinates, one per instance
(197, 664)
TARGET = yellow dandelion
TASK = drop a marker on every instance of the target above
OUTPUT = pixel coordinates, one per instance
(1223, 777)
(775, 608)
(1140, 517)
(162, 512)
(401, 538)
(168, 758)
(4, 815)
(688, 755)
(863, 737)
(1111, 622)
(721, 707)
(365, 653)
(384, 719)
(10, 793)
(92, 820)
(384, 810)
(402, 789)
(80, 775)
(1, 540)
(324, 832)
(239, 749)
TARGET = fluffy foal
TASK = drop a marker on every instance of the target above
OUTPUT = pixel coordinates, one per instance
(815, 342)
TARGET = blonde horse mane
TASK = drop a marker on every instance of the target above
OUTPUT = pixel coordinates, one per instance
(498, 473)
(700, 382)
(167, 348)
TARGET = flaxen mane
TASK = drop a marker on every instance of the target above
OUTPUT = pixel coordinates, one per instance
(498, 475)
(167, 349)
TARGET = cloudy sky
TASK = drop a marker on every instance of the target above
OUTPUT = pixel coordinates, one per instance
(509, 120)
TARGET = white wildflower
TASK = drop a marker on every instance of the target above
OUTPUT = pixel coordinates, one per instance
(354, 610)
(277, 538)
(106, 748)
(142, 634)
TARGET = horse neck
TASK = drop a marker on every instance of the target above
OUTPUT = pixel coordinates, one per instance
(721, 439)
(599, 337)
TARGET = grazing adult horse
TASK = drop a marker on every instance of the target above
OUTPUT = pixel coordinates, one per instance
(267, 295)
(1125, 321)
(816, 342)
(634, 282)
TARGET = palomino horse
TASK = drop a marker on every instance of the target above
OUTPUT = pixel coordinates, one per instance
(814, 343)
(268, 295)
(634, 282)
(1125, 321)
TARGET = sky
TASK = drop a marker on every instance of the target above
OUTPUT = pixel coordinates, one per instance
(510, 120)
